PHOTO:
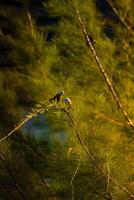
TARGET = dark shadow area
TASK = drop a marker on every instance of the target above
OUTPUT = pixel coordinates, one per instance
(106, 10)
(109, 31)
(12, 3)
(37, 3)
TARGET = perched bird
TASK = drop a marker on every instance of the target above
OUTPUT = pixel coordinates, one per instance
(57, 97)
(68, 102)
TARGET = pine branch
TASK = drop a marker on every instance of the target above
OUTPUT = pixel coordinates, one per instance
(31, 115)
(102, 70)
(54, 108)
(98, 167)
(33, 148)
(16, 185)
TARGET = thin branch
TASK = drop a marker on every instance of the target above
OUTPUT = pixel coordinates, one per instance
(109, 118)
(102, 70)
(115, 121)
(122, 187)
(28, 117)
(72, 192)
(98, 167)
(72, 179)
(80, 139)
(126, 84)
(120, 18)
(108, 182)
(75, 173)
(16, 185)
(30, 22)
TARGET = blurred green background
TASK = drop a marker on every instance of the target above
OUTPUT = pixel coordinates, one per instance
(43, 51)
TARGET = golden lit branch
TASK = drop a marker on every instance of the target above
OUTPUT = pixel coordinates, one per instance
(101, 68)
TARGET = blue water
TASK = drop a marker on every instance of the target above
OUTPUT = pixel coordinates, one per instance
(38, 127)
(41, 130)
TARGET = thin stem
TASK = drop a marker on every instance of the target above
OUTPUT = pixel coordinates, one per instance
(75, 173)
(117, 122)
(108, 172)
(72, 179)
(30, 22)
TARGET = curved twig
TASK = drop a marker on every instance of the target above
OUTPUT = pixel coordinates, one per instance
(72, 179)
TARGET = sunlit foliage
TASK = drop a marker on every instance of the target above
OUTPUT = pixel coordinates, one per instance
(43, 52)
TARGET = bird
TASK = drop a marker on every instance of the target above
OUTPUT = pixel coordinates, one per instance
(57, 97)
(68, 102)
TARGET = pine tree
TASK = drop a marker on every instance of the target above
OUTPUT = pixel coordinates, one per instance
(84, 152)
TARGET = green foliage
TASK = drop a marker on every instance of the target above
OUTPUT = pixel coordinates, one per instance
(44, 60)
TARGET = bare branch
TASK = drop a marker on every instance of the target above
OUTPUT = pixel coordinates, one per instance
(72, 179)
